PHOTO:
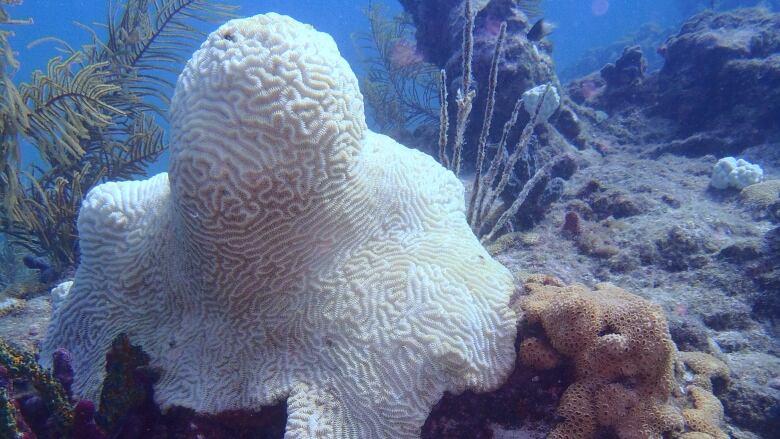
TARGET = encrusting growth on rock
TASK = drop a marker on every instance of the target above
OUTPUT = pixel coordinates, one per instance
(704, 367)
(703, 412)
(706, 416)
(20, 364)
(623, 360)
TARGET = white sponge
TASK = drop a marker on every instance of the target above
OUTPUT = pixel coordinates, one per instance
(736, 173)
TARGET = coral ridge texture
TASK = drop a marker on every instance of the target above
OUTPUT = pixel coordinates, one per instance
(289, 253)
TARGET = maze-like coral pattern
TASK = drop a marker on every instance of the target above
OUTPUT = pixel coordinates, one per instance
(291, 253)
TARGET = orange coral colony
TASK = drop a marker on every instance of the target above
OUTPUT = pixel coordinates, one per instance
(623, 360)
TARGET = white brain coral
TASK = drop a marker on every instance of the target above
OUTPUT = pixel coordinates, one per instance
(291, 254)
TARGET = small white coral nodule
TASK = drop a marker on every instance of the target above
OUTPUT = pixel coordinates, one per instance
(735, 173)
(290, 253)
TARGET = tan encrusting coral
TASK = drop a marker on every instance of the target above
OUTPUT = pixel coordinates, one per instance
(623, 360)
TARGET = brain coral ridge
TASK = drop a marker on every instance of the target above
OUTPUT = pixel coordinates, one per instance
(290, 253)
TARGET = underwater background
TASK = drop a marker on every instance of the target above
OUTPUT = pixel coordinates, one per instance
(620, 159)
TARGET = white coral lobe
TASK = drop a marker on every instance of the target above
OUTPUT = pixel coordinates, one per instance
(293, 254)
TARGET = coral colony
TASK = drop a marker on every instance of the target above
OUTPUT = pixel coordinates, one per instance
(323, 264)
(296, 274)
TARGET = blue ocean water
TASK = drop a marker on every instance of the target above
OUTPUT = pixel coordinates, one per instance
(58, 18)
(580, 25)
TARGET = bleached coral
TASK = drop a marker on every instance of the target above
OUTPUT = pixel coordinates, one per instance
(59, 293)
(551, 102)
(736, 173)
(293, 254)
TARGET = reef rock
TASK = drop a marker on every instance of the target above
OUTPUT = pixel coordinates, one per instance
(624, 77)
(718, 90)
(291, 253)
(723, 67)
(524, 65)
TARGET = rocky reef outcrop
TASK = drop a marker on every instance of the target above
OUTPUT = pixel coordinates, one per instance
(723, 69)
(718, 89)
(524, 65)
(525, 62)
